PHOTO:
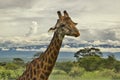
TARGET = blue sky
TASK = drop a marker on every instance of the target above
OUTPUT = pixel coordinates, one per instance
(34, 17)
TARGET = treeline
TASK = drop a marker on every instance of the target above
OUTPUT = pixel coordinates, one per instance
(89, 62)
(91, 59)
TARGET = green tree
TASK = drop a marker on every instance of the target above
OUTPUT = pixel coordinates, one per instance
(3, 63)
(18, 61)
(65, 66)
(117, 66)
(11, 66)
(89, 58)
(87, 52)
(76, 71)
(90, 63)
(109, 63)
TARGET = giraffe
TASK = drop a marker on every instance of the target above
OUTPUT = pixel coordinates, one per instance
(41, 67)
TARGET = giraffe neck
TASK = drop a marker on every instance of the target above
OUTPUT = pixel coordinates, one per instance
(55, 43)
(40, 68)
(52, 51)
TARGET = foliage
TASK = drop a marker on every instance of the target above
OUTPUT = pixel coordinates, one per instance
(11, 66)
(87, 75)
(18, 61)
(87, 52)
(76, 71)
(58, 72)
(2, 63)
(107, 72)
(110, 73)
(109, 63)
(8, 74)
(87, 67)
(116, 77)
(65, 66)
(117, 66)
(90, 63)
(91, 60)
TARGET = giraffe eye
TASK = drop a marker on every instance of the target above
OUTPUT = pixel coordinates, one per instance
(75, 23)
(62, 25)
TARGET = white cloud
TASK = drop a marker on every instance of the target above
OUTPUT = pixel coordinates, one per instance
(33, 29)
(45, 38)
(98, 18)
(100, 34)
(110, 49)
(15, 3)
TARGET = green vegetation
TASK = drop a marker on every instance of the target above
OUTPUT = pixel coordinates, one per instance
(89, 65)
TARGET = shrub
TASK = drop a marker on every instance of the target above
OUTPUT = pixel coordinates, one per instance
(90, 63)
(117, 67)
(109, 63)
(3, 63)
(65, 66)
(107, 73)
(11, 66)
(76, 71)
(58, 72)
(18, 61)
(9, 73)
(116, 77)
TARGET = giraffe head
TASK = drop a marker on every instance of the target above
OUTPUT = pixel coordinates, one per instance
(65, 26)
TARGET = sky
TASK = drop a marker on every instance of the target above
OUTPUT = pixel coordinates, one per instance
(98, 18)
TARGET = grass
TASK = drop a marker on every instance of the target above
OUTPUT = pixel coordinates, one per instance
(86, 76)
(105, 74)
(11, 71)
(61, 75)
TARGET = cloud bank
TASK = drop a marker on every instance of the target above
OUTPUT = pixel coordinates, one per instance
(98, 21)
(17, 15)
(32, 29)
(100, 34)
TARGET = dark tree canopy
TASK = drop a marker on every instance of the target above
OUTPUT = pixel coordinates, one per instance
(18, 61)
(88, 52)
